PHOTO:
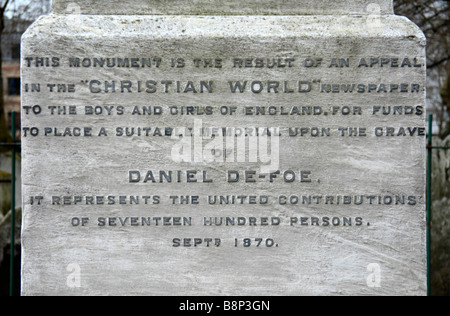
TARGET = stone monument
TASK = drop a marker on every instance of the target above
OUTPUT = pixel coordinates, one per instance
(223, 148)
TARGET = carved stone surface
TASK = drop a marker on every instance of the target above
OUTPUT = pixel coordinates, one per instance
(313, 184)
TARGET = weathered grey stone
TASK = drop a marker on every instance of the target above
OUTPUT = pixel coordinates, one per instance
(218, 7)
(353, 220)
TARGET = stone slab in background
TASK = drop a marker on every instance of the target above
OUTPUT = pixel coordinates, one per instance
(233, 7)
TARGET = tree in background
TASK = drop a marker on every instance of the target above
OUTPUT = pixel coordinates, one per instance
(432, 16)
(14, 14)
(4, 135)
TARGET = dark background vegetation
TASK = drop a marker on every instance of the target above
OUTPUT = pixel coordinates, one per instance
(432, 16)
